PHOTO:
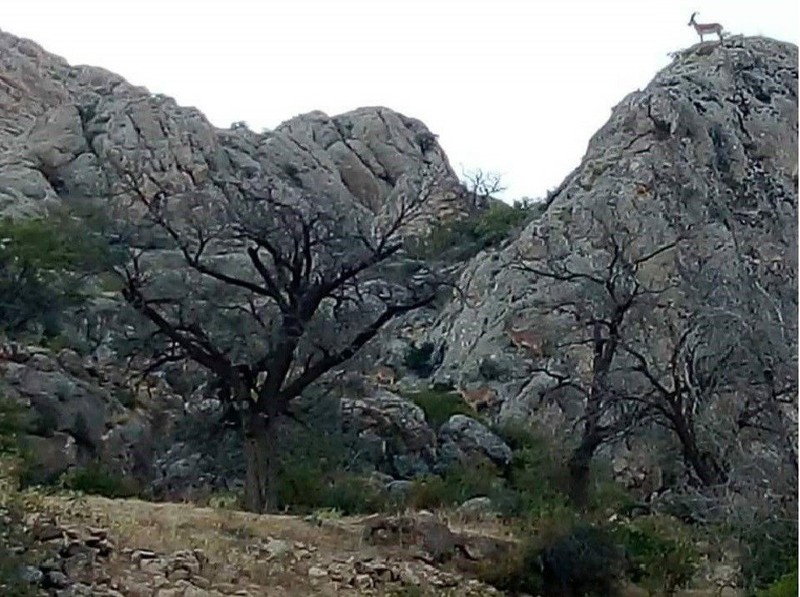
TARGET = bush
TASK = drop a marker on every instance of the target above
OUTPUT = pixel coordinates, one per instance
(457, 486)
(786, 586)
(41, 265)
(300, 488)
(95, 480)
(585, 561)
(661, 555)
(350, 494)
(13, 421)
(420, 360)
(461, 239)
(439, 406)
(307, 489)
(535, 476)
(519, 572)
(770, 551)
(581, 561)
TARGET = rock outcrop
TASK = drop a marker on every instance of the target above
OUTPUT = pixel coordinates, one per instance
(77, 413)
(393, 431)
(63, 127)
(711, 143)
(464, 441)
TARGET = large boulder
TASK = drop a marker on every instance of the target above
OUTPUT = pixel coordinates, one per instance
(392, 431)
(465, 441)
(76, 414)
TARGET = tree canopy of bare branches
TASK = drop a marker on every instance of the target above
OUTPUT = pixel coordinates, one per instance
(653, 329)
(267, 288)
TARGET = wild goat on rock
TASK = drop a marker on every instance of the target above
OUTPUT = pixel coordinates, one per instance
(705, 28)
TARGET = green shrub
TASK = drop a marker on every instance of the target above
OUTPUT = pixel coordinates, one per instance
(350, 494)
(585, 561)
(536, 477)
(13, 421)
(420, 360)
(456, 486)
(307, 489)
(661, 554)
(42, 263)
(519, 572)
(95, 480)
(439, 406)
(301, 486)
(580, 561)
(461, 239)
(786, 586)
(770, 551)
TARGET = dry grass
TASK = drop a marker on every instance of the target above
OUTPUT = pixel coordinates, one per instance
(229, 539)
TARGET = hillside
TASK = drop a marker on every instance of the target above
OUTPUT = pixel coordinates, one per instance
(599, 390)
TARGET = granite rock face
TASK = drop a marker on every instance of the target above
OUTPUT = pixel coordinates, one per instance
(710, 144)
(62, 127)
(465, 441)
(78, 412)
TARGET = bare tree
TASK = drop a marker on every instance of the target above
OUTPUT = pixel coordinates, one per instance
(659, 328)
(266, 288)
(597, 298)
(482, 185)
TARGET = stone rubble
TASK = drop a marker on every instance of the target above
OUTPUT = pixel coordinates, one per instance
(85, 561)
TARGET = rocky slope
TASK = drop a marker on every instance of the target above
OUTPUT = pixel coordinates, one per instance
(708, 150)
(61, 126)
(113, 548)
(711, 142)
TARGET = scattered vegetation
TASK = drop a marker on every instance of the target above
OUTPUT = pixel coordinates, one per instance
(43, 265)
(770, 552)
(786, 586)
(13, 421)
(461, 239)
(660, 553)
(584, 560)
(440, 405)
(95, 479)
(420, 359)
(458, 485)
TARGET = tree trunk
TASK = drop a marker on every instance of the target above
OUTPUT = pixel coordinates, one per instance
(580, 471)
(259, 449)
(702, 463)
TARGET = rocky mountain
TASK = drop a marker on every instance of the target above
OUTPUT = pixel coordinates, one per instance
(61, 125)
(63, 128)
(688, 193)
(711, 141)
(692, 185)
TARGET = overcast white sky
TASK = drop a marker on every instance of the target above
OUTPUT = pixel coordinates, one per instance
(516, 87)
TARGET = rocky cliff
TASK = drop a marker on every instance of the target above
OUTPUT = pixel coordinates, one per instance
(62, 125)
(711, 141)
(696, 173)
(692, 178)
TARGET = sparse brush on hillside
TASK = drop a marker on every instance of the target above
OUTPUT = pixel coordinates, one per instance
(43, 267)
(439, 405)
(459, 240)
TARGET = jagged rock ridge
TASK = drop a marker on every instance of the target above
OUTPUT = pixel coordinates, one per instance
(707, 151)
(61, 126)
